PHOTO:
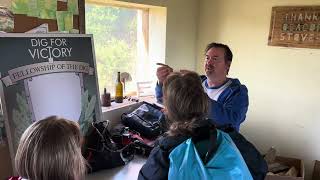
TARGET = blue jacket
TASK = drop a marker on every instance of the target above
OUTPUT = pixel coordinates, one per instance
(229, 109)
(176, 157)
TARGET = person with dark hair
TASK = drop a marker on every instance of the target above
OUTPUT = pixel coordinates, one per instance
(229, 101)
(192, 148)
(50, 149)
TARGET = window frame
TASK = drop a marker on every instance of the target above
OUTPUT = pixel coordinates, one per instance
(144, 24)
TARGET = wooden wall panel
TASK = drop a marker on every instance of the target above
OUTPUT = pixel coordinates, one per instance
(295, 26)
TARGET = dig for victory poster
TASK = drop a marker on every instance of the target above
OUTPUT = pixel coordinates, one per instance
(43, 75)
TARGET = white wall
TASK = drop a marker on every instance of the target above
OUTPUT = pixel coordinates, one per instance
(283, 83)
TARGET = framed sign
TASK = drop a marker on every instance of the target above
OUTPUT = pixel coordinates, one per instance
(43, 75)
(295, 26)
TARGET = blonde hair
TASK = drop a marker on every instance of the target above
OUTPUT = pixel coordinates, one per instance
(50, 150)
(185, 101)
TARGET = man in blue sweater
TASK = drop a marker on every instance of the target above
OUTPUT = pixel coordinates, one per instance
(228, 98)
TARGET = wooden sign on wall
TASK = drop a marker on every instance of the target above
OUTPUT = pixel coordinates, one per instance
(295, 26)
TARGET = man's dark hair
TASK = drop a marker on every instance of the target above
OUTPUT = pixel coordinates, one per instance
(227, 52)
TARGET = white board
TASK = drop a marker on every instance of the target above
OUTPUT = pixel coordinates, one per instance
(60, 97)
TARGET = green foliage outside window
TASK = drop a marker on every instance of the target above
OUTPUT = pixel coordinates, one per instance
(115, 39)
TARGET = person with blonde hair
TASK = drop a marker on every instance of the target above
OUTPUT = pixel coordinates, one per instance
(50, 150)
(192, 148)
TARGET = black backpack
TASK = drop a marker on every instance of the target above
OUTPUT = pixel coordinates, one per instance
(148, 120)
(257, 165)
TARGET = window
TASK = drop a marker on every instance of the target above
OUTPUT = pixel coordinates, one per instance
(121, 44)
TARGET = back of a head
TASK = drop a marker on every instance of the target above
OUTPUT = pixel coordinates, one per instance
(185, 101)
(50, 149)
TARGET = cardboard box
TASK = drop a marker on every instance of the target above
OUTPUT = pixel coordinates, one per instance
(5, 165)
(297, 163)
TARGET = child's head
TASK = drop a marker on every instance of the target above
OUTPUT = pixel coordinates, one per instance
(50, 149)
(185, 101)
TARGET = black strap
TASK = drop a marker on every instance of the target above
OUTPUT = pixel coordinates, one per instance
(106, 140)
(213, 145)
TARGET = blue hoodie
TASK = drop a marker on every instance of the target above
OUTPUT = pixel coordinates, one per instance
(230, 108)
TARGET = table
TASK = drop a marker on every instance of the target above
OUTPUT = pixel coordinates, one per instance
(126, 172)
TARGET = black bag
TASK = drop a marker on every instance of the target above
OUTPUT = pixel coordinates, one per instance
(256, 164)
(148, 120)
(140, 145)
(101, 152)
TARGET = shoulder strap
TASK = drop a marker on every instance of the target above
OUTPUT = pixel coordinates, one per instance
(213, 145)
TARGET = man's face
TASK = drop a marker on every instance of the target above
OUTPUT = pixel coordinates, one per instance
(215, 64)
